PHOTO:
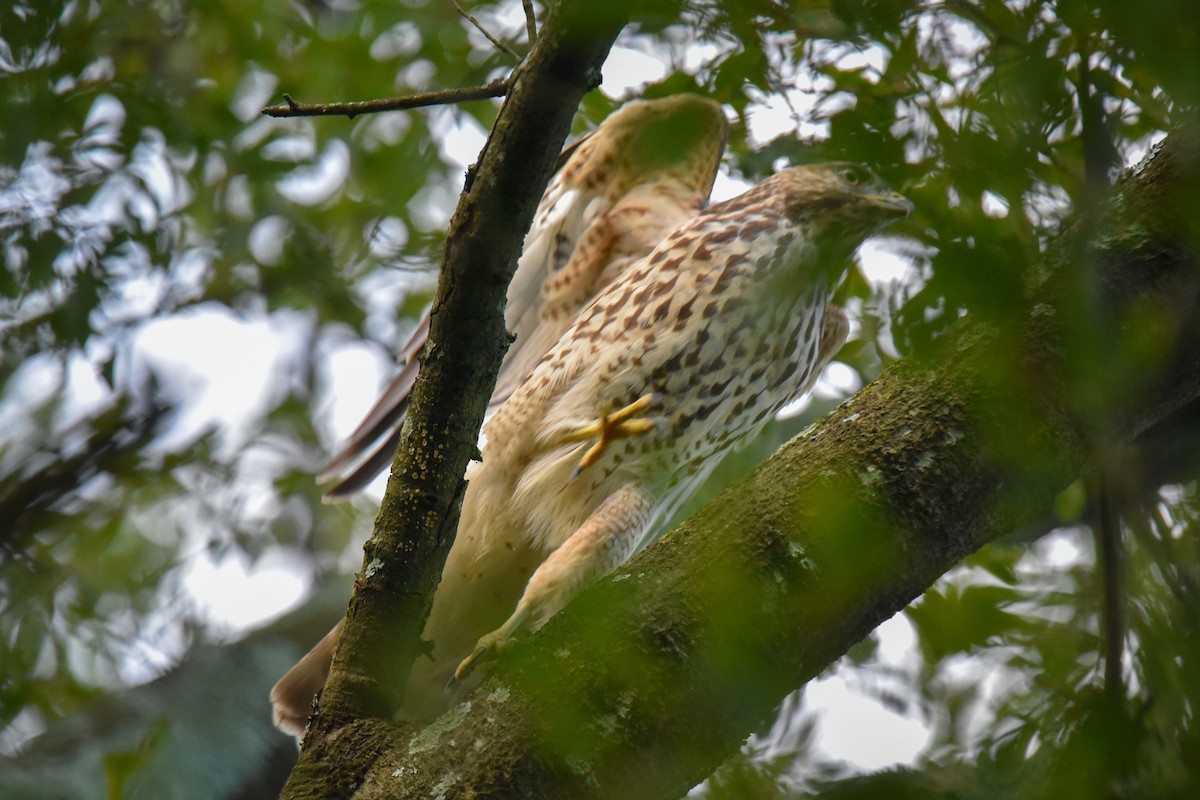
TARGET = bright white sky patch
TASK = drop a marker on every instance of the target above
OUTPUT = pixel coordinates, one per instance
(726, 187)
(628, 71)
(430, 208)
(459, 136)
(859, 729)
(1059, 551)
(236, 595)
(771, 118)
(881, 265)
(994, 205)
(36, 382)
(366, 372)
(357, 375)
(255, 90)
(315, 183)
(399, 41)
(267, 238)
(837, 380)
(218, 365)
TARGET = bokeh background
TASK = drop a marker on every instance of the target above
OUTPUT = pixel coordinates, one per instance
(197, 302)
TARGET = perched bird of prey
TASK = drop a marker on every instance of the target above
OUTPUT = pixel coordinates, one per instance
(619, 191)
(685, 355)
(649, 167)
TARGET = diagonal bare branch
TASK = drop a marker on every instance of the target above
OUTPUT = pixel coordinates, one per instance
(501, 46)
(292, 108)
(530, 21)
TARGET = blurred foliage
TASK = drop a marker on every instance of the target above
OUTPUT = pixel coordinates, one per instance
(139, 186)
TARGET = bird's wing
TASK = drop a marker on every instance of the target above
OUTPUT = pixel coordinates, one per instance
(559, 298)
(372, 444)
(618, 235)
(620, 189)
(563, 213)
(649, 168)
(570, 217)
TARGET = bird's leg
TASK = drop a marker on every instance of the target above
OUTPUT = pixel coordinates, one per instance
(605, 541)
(489, 646)
(621, 424)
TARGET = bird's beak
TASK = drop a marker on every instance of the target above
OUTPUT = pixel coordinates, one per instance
(892, 203)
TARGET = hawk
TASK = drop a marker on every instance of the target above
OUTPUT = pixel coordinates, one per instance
(685, 355)
(646, 169)
(649, 167)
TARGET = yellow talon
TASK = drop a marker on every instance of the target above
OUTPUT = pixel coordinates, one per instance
(466, 666)
(621, 424)
(488, 646)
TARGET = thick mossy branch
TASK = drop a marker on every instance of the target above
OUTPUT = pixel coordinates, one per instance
(647, 682)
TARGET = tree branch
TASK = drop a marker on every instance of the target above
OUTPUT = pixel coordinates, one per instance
(501, 46)
(350, 110)
(530, 21)
(648, 681)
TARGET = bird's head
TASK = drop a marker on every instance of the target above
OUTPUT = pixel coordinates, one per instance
(840, 199)
(826, 211)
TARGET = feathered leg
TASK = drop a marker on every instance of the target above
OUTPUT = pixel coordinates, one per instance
(604, 542)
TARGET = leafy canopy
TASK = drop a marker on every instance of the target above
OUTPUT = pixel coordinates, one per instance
(141, 189)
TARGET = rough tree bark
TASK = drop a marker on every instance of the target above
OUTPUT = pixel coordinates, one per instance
(647, 682)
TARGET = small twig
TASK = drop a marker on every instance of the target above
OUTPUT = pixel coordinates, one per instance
(530, 21)
(479, 27)
(290, 108)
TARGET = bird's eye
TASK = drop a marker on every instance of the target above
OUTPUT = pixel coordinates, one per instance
(852, 176)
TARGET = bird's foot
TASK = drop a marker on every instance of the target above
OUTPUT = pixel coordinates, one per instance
(623, 423)
(487, 647)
